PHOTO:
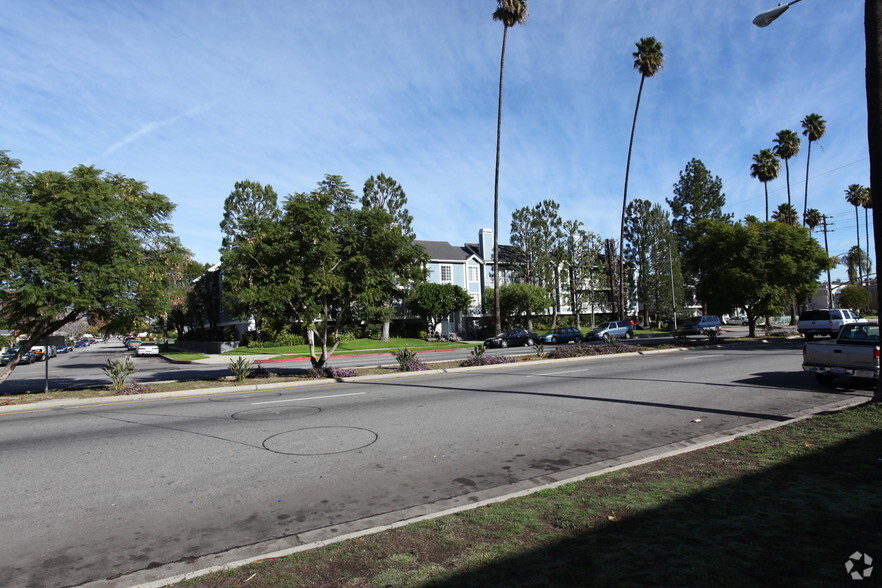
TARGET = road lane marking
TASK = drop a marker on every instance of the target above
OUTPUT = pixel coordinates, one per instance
(702, 356)
(563, 372)
(313, 398)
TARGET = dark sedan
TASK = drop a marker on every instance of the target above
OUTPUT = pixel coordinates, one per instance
(513, 338)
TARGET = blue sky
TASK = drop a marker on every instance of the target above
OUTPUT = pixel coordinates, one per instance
(191, 97)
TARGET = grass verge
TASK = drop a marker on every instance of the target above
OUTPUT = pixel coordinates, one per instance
(787, 506)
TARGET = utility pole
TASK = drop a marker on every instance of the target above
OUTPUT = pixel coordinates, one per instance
(827, 251)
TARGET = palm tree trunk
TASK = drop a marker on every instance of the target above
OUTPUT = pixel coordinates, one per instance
(625, 204)
(787, 172)
(805, 199)
(497, 313)
(867, 241)
(766, 186)
(857, 230)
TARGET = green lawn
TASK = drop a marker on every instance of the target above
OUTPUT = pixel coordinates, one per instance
(358, 345)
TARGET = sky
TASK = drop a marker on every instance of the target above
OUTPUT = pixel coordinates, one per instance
(191, 97)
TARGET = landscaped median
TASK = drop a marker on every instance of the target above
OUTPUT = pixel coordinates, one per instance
(785, 506)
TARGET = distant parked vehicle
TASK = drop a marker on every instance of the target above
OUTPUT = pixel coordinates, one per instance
(825, 322)
(81, 343)
(611, 330)
(132, 344)
(563, 335)
(698, 325)
(27, 358)
(513, 338)
(147, 348)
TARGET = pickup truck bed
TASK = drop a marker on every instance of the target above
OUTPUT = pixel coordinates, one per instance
(854, 353)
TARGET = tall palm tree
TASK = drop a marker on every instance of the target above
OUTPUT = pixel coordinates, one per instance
(785, 213)
(765, 168)
(812, 218)
(786, 146)
(510, 13)
(855, 195)
(648, 60)
(813, 128)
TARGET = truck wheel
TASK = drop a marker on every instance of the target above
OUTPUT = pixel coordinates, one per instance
(809, 336)
(825, 379)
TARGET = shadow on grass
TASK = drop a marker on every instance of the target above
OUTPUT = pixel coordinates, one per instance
(795, 524)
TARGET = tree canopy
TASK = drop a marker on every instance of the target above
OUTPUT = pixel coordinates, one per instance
(435, 302)
(759, 267)
(82, 244)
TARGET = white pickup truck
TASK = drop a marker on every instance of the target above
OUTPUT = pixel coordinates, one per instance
(854, 353)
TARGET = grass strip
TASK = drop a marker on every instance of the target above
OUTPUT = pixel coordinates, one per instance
(787, 506)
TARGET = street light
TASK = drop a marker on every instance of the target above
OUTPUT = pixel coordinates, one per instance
(764, 19)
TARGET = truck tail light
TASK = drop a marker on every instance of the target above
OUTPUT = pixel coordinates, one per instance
(876, 354)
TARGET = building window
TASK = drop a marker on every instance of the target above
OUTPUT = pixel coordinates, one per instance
(473, 274)
(446, 274)
(476, 303)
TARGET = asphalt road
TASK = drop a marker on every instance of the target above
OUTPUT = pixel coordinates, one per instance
(155, 488)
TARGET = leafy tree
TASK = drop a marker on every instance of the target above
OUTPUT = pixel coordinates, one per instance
(786, 147)
(83, 244)
(583, 267)
(785, 213)
(759, 267)
(522, 302)
(697, 195)
(384, 193)
(648, 60)
(251, 213)
(813, 128)
(332, 260)
(855, 195)
(765, 168)
(856, 297)
(436, 302)
(648, 231)
(510, 13)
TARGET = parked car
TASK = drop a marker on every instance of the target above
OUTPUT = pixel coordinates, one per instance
(611, 330)
(147, 348)
(28, 358)
(40, 352)
(563, 335)
(132, 344)
(64, 348)
(512, 338)
(697, 325)
(81, 343)
(825, 321)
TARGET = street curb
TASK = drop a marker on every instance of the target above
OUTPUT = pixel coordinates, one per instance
(63, 403)
(463, 503)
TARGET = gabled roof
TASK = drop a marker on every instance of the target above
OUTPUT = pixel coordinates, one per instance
(443, 251)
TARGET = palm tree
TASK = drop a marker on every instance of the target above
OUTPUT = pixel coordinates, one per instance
(765, 168)
(648, 60)
(812, 218)
(786, 146)
(785, 213)
(855, 195)
(813, 128)
(510, 12)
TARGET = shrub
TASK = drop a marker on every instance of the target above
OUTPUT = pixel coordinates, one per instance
(241, 368)
(711, 334)
(408, 362)
(129, 389)
(486, 360)
(330, 372)
(118, 372)
(583, 350)
(479, 350)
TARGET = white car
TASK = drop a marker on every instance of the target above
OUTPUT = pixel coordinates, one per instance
(146, 348)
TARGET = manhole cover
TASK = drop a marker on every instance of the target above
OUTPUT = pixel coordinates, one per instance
(280, 413)
(320, 440)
